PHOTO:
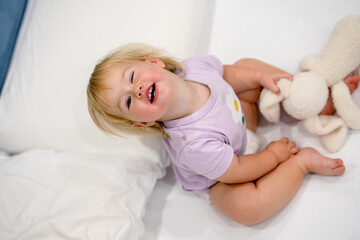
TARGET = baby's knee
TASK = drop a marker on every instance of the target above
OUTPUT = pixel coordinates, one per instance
(242, 203)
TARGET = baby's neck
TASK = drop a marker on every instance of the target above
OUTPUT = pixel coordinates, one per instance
(188, 97)
(198, 95)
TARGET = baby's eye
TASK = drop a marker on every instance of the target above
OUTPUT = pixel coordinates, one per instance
(132, 77)
(128, 102)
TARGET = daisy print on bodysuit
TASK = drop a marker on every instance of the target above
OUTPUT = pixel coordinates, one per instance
(234, 105)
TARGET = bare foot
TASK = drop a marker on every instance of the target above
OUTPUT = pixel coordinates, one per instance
(352, 82)
(310, 160)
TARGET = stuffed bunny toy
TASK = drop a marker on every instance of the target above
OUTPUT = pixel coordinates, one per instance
(305, 96)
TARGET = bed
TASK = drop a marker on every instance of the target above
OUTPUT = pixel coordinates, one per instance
(62, 178)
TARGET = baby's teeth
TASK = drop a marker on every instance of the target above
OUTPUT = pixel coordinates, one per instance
(150, 92)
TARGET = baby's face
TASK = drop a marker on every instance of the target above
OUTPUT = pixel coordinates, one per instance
(138, 91)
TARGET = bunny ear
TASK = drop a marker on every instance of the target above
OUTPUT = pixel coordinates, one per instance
(332, 130)
(269, 103)
(345, 106)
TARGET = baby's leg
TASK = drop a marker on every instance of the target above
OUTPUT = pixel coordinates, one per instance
(352, 82)
(253, 202)
(251, 114)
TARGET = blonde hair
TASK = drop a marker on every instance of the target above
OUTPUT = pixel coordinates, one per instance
(97, 103)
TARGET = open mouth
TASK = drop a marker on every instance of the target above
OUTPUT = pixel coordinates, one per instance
(151, 94)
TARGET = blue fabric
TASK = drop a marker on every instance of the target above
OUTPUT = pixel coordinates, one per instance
(11, 14)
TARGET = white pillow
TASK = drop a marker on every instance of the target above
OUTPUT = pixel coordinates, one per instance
(68, 195)
(43, 103)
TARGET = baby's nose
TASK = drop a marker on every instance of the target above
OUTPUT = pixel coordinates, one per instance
(139, 91)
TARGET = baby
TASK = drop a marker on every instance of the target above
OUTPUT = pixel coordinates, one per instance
(205, 110)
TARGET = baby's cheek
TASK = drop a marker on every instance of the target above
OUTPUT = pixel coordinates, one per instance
(148, 113)
(152, 74)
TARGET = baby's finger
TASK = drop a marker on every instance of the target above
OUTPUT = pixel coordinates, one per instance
(284, 140)
(283, 75)
(295, 150)
(274, 88)
(292, 144)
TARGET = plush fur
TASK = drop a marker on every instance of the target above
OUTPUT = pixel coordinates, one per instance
(306, 95)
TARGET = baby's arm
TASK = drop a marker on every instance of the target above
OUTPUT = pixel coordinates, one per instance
(253, 166)
(248, 74)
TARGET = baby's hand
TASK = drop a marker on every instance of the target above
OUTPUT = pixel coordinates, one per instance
(283, 149)
(269, 80)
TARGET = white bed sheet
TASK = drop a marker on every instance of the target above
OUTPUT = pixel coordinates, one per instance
(280, 33)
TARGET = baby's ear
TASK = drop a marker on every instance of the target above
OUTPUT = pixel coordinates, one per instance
(142, 124)
(155, 61)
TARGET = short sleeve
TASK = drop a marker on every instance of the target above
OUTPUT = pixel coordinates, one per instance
(215, 63)
(205, 63)
(207, 157)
